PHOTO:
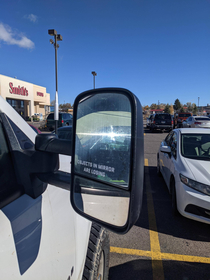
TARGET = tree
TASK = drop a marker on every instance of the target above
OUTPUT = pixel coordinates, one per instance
(167, 109)
(177, 105)
(181, 110)
(194, 109)
(146, 107)
(171, 109)
(189, 106)
(153, 106)
(64, 107)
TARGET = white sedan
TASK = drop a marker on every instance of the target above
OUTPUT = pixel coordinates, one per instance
(184, 161)
(197, 122)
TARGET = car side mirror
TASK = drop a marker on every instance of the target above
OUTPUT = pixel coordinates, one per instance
(165, 149)
(107, 168)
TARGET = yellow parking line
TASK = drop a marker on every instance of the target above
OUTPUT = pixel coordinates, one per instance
(133, 252)
(157, 267)
(157, 255)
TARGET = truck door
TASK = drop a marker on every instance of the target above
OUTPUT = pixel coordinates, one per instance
(37, 235)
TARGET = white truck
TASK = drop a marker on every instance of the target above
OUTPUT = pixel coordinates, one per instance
(58, 196)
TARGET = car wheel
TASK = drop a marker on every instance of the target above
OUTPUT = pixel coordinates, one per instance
(175, 211)
(158, 167)
(97, 259)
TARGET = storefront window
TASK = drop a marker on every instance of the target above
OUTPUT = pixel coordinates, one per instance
(18, 105)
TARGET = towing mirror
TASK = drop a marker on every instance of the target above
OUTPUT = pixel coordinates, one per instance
(108, 158)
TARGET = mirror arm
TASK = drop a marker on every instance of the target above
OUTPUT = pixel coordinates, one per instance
(52, 144)
(59, 179)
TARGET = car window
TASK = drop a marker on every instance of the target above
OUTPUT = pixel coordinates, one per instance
(162, 117)
(196, 146)
(183, 115)
(202, 119)
(9, 188)
(51, 116)
(168, 138)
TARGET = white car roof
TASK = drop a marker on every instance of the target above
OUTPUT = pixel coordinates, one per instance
(194, 130)
(201, 117)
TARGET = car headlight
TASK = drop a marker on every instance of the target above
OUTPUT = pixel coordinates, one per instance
(195, 185)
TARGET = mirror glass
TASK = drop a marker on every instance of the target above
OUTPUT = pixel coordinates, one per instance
(102, 157)
(103, 138)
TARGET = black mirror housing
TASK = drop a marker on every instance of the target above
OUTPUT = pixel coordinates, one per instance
(107, 169)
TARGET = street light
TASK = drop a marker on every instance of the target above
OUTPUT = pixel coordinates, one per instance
(94, 75)
(57, 37)
(198, 104)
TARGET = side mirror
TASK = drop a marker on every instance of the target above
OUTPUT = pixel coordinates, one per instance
(165, 149)
(107, 168)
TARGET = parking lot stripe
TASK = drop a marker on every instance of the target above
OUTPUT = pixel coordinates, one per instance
(157, 267)
(157, 255)
(133, 252)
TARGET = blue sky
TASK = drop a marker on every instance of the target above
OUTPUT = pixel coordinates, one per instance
(158, 49)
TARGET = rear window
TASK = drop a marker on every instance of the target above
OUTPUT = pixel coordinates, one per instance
(184, 115)
(202, 119)
(51, 116)
(163, 117)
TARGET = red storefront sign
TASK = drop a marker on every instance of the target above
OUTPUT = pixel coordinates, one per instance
(18, 90)
(40, 94)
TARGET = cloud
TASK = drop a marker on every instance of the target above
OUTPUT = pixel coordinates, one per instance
(13, 38)
(31, 17)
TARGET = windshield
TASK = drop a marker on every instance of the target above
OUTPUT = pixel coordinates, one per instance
(195, 146)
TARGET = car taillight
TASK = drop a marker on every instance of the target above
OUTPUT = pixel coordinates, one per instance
(62, 121)
(172, 122)
(197, 122)
(154, 122)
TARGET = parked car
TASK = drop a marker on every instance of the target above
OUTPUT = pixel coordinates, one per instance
(35, 128)
(64, 120)
(162, 121)
(179, 118)
(64, 132)
(197, 122)
(54, 212)
(149, 121)
(184, 161)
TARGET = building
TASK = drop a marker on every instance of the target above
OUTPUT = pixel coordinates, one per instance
(156, 111)
(26, 98)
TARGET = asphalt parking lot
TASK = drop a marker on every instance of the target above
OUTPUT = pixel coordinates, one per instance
(160, 246)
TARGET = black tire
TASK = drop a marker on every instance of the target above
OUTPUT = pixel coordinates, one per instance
(97, 259)
(175, 211)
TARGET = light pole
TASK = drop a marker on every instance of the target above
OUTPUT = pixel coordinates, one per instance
(94, 75)
(57, 37)
(198, 104)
